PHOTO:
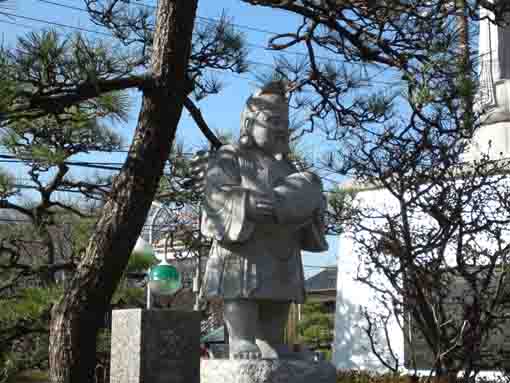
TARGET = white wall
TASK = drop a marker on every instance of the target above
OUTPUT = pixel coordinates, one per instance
(351, 347)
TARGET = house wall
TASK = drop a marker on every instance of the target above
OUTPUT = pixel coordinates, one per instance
(351, 345)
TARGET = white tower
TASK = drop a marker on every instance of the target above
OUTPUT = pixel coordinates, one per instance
(493, 99)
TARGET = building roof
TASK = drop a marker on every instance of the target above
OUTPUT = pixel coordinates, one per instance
(325, 280)
(215, 336)
(12, 216)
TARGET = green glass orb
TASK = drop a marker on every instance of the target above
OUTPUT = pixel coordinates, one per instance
(142, 257)
(143, 248)
(164, 280)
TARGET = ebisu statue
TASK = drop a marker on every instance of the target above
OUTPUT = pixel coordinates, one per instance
(260, 211)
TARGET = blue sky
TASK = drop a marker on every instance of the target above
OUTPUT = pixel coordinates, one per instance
(222, 111)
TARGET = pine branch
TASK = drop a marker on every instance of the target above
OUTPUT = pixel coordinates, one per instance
(199, 120)
(57, 103)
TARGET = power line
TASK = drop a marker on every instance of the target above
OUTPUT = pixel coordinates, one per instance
(216, 21)
(64, 5)
(90, 30)
(221, 71)
(104, 165)
(206, 19)
(17, 24)
(18, 159)
(30, 187)
(209, 19)
(12, 159)
(248, 44)
(55, 23)
(173, 156)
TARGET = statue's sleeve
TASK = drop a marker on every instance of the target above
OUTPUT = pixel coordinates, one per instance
(300, 202)
(224, 205)
(313, 235)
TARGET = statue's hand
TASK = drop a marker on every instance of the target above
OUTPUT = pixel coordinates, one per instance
(260, 207)
(199, 165)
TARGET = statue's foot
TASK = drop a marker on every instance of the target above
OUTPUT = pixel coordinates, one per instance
(243, 349)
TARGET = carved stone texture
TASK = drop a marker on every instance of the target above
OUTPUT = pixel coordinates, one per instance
(261, 211)
(157, 346)
(266, 371)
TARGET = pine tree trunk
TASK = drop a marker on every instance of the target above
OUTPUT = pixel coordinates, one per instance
(77, 316)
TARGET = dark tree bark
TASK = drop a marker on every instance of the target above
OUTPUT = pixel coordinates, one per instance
(77, 316)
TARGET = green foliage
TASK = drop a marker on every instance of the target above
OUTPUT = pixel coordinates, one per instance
(8, 85)
(365, 376)
(316, 327)
(46, 64)
(358, 376)
(114, 104)
(340, 201)
(104, 341)
(29, 305)
(50, 140)
(81, 229)
(7, 188)
(31, 376)
(50, 60)
(28, 314)
(24, 330)
(216, 45)
(140, 262)
(128, 297)
(29, 354)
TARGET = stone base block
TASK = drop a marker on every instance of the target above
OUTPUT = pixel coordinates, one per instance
(156, 346)
(266, 371)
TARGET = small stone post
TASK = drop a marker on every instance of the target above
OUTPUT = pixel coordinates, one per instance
(156, 346)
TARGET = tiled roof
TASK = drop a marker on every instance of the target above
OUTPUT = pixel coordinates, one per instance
(325, 280)
(10, 214)
(215, 336)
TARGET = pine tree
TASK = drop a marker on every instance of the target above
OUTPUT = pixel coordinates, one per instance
(69, 77)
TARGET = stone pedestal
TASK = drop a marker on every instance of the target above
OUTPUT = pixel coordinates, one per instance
(156, 346)
(266, 371)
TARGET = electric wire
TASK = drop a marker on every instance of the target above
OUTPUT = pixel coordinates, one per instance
(214, 21)
(250, 62)
(240, 26)
(55, 23)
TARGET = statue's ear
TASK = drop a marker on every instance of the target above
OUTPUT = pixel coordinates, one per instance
(248, 123)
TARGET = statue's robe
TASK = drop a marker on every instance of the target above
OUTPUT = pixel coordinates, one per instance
(254, 260)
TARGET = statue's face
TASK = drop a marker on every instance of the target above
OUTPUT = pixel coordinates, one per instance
(270, 131)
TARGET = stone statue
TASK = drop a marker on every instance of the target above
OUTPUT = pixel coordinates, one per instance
(261, 212)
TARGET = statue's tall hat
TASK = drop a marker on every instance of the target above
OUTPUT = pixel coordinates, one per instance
(271, 96)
